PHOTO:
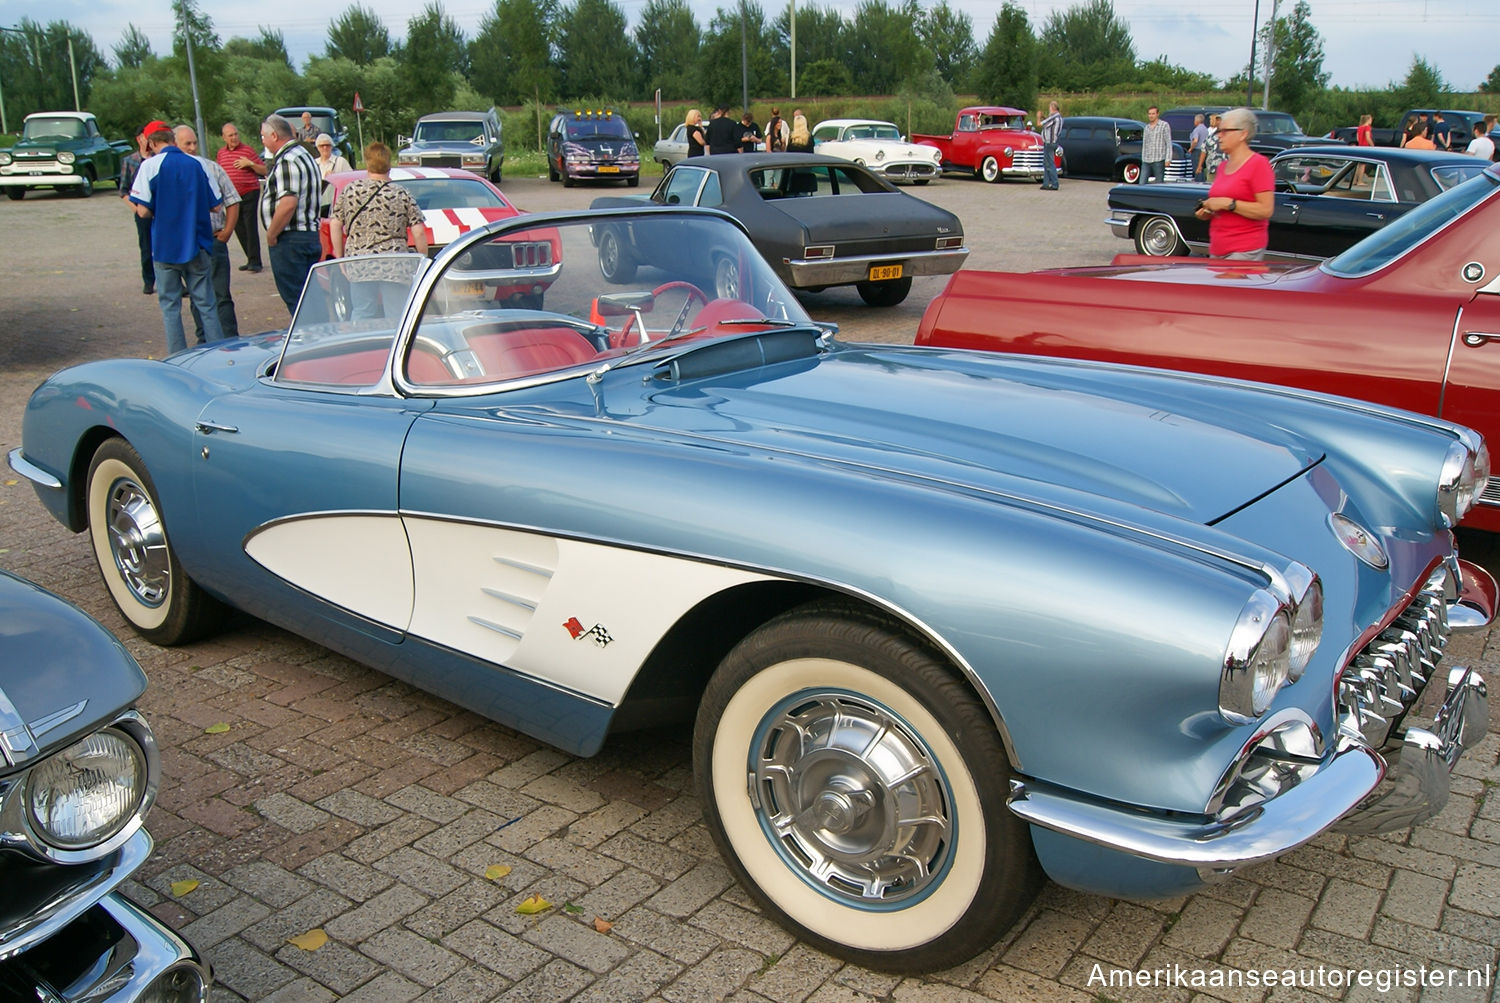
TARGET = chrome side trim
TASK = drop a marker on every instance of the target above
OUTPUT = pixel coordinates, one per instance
(497, 628)
(1448, 362)
(1263, 832)
(514, 600)
(31, 471)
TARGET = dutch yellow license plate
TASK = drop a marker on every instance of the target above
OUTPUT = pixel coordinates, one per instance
(466, 288)
(609, 170)
(882, 273)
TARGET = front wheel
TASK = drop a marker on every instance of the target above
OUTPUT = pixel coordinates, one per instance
(616, 264)
(726, 278)
(887, 293)
(989, 169)
(857, 788)
(551, 171)
(135, 558)
(1157, 237)
(15, 194)
(86, 188)
(1131, 174)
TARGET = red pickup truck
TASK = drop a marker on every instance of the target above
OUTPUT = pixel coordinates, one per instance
(991, 141)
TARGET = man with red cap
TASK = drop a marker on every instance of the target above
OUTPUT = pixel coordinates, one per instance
(129, 167)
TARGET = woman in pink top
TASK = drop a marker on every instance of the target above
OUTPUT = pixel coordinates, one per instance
(1243, 196)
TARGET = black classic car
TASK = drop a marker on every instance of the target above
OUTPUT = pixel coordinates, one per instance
(470, 140)
(1097, 146)
(1328, 198)
(820, 221)
(79, 770)
(1275, 131)
(593, 145)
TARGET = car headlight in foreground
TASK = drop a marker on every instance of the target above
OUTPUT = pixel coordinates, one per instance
(1466, 472)
(1258, 661)
(88, 792)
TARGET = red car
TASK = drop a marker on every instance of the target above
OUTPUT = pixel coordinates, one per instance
(454, 202)
(1408, 317)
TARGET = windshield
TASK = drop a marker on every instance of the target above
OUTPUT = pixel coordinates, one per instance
(1391, 242)
(449, 132)
(53, 128)
(1453, 175)
(451, 193)
(873, 130)
(346, 320)
(1273, 124)
(1002, 121)
(590, 128)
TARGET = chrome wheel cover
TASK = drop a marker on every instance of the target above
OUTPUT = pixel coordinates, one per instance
(138, 543)
(1158, 238)
(609, 254)
(852, 799)
(727, 280)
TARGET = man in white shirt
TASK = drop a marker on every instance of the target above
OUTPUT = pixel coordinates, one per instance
(1481, 146)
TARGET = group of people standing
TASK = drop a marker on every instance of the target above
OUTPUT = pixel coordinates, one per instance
(188, 207)
(722, 134)
(1421, 131)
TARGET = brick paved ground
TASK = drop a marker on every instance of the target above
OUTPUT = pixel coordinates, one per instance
(341, 800)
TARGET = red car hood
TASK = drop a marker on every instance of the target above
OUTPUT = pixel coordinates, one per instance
(446, 225)
(1197, 272)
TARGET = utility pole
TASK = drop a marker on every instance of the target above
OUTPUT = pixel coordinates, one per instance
(794, 49)
(1265, 100)
(1254, 31)
(187, 41)
(73, 65)
(744, 64)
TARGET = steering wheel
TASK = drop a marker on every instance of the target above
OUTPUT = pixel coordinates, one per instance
(693, 292)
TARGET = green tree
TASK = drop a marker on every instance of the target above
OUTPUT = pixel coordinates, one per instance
(189, 18)
(1086, 47)
(1007, 70)
(824, 78)
(134, 48)
(719, 56)
(1297, 75)
(434, 52)
(594, 51)
(381, 87)
(133, 95)
(511, 57)
(821, 34)
(667, 42)
(949, 36)
(1423, 87)
(34, 68)
(1160, 74)
(884, 45)
(269, 45)
(1491, 83)
(358, 34)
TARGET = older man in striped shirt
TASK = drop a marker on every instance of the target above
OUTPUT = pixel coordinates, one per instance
(289, 209)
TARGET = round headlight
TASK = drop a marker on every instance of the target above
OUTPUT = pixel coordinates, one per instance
(4, 159)
(65, 157)
(1307, 617)
(82, 796)
(1257, 661)
(1466, 472)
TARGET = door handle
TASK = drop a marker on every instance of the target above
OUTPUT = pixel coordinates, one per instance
(210, 427)
(1476, 338)
(1375, 215)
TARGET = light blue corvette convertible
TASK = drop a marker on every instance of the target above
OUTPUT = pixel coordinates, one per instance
(945, 621)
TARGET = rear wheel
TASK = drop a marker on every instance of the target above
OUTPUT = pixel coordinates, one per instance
(135, 557)
(495, 175)
(887, 293)
(726, 282)
(1158, 237)
(989, 169)
(616, 263)
(857, 789)
(1131, 174)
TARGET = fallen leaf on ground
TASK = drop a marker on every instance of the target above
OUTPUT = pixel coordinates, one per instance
(181, 888)
(603, 925)
(495, 872)
(309, 941)
(216, 729)
(533, 905)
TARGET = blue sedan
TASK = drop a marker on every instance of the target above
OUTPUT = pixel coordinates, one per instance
(942, 622)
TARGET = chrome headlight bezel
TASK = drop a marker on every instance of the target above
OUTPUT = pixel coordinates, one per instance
(1257, 660)
(1306, 616)
(1465, 473)
(20, 828)
(5, 159)
(65, 157)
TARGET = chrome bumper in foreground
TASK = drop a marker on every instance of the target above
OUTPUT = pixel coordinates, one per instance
(47, 178)
(842, 271)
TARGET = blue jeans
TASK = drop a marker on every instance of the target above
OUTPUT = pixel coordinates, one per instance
(1049, 165)
(196, 277)
(1153, 170)
(292, 257)
(228, 322)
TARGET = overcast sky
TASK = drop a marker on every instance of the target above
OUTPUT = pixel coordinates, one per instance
(1366, 42)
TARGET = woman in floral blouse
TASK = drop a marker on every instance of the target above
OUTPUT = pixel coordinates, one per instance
(373, 216)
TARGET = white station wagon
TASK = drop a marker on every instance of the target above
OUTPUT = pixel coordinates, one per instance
(878, 146)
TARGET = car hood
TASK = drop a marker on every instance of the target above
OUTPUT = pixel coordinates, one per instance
(446, 225)
(60, 671)
(459, 146)
(886, 149)
(1027, 427)
(873, 216)
(1198, 272)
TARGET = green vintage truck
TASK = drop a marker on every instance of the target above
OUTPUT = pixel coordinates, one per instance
(61, 149)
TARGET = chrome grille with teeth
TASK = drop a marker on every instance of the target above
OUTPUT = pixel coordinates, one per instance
(1027, 160)
(1385, 679)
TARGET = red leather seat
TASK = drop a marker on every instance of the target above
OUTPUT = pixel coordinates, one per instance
(505, 354)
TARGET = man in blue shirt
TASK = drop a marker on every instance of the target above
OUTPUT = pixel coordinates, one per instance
(172, 189)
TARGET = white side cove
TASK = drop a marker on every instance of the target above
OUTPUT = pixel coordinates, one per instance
(359, 562)
(583, 616)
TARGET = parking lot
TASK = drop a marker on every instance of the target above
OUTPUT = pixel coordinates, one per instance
(341, 800)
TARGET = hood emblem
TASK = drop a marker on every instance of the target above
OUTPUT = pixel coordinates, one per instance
(1359, 541)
